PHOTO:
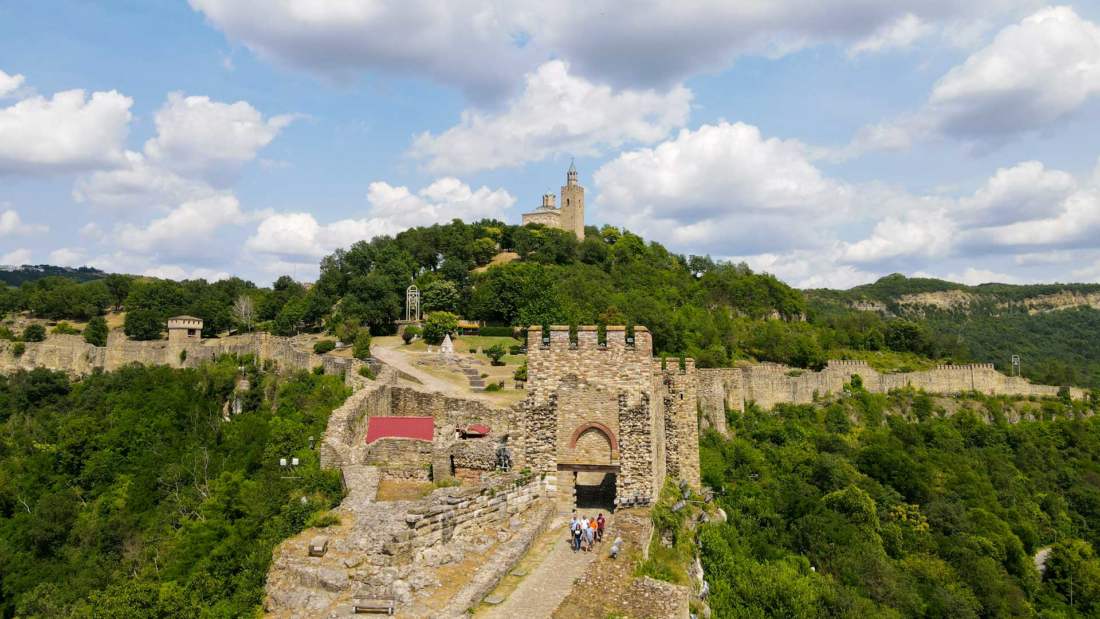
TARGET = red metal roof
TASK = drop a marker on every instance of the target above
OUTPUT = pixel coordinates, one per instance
(419, 428)
(477, 428)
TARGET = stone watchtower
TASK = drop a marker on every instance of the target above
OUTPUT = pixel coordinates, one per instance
(604, 420)
(184, 329)
(569, 215)
(572, 204)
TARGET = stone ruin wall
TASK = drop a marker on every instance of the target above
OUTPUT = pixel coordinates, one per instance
(768, 384)
(462, 511)
(71, 354)
(343, 442)
(400, 458)
(677, 391)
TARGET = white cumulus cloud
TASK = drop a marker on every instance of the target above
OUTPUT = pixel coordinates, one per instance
(556, 113)
(16, 257)
(720, 186)
(211, 139)
(1033, 75)
(392, 209)
(188, 230)
(9, 84)
(902, 32)
(66, 132)
(11, 224)
(67, 257)
(482, 46)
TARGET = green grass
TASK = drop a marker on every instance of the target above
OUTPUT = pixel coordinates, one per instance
(887, 361)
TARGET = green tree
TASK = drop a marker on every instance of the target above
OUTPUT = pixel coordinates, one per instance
(95, 332)
(440, 296)
(437, 325)
(34, 333)
(143, 324)
(118, 289)
(495, 353)
(361, 348)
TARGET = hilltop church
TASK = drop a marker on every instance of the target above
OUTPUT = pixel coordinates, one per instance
(568, 216)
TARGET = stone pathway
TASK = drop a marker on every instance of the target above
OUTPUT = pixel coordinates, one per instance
(547, 585)
(362, 482)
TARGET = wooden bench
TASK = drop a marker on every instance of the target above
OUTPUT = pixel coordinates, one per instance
(373, 605)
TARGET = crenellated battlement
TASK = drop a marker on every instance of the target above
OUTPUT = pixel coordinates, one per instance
(605, 402)
(847, 363)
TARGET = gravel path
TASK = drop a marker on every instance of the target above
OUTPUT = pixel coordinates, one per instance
(546, 586)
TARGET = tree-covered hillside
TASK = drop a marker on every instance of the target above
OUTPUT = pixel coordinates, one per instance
(127, 495)
(16, 276)
(716, 312)
(905, 515)
(1058, 345)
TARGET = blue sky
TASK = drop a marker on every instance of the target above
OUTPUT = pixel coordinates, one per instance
(829, 143)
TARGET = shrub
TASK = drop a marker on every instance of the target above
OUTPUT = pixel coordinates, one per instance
(521, 373)
(6, 334)
(438, 325)
(496, 353)
(493, 387)
(143, 324)
(496, 331)
(34, 333)
(516, 349)
(18, 348)
(321, 520)
(95, 333)
(361, 348)
(323, 346)
(183, 356)
(64, 328)
(473, 350)
(410, 333)
(366, 372)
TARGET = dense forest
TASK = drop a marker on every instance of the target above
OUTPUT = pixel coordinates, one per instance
(843, 510)
(126, 494)
(714, 311)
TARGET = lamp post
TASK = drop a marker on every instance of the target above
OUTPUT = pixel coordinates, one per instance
(290, 465)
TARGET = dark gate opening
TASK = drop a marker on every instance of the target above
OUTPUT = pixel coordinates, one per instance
(595, 490)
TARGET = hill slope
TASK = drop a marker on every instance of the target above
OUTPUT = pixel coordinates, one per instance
(1054, 328)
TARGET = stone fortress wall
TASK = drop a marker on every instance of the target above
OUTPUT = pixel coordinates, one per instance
(768, 384)
(71, 354)
(608, 408)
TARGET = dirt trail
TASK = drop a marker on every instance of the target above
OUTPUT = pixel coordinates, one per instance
(387, 353)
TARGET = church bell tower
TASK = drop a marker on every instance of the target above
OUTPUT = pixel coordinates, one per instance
(572, 203)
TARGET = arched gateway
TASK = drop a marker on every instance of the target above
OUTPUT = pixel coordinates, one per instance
(604, 420)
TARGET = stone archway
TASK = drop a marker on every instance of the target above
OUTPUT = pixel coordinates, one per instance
(593, 443)
(592, 469)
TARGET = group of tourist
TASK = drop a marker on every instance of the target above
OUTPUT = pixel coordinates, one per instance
(585, 532)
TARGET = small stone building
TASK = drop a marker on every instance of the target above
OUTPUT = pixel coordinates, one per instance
(604, 419)
(184, 329)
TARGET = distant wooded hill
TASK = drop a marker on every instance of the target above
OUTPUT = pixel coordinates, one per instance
(1054, 328)
(16, 276)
